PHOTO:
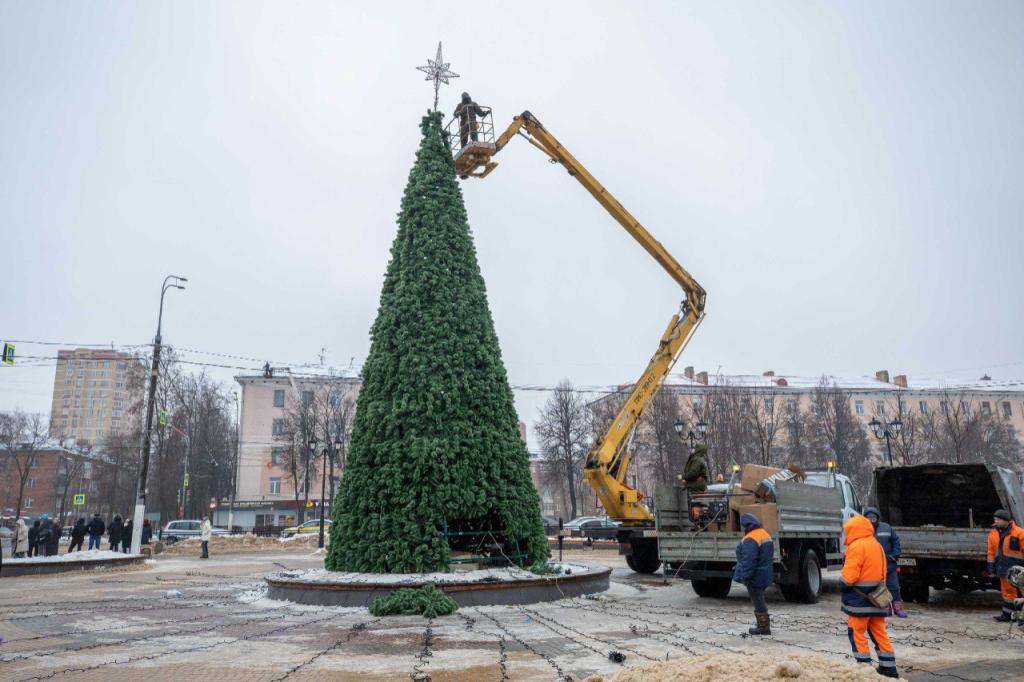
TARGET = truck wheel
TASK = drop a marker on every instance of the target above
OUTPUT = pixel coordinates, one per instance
(808, 589)
(644, 558)
(915, 591)
(716, 588)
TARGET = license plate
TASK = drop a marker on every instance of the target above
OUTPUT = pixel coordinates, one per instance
(907, 562)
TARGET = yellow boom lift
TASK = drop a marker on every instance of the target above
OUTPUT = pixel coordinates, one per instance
(608, 460)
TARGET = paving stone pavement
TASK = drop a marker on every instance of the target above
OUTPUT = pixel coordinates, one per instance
(132, 625)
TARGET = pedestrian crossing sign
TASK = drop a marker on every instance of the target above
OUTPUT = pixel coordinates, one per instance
(80, 499)
(8, 353)
(310, 503)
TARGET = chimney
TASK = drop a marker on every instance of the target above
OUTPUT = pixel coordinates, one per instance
(985, 377)
(900, 380)
(769, 373)
(781, 382)
(882, 375)
(702, 378)
(688, 373)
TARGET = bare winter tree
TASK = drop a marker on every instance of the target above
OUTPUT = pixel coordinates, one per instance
(764, 415)
(911, 445)
(22, 436)
(665, 453)
(962, 430)
(841, 434)
(800, 441)
(564, 429)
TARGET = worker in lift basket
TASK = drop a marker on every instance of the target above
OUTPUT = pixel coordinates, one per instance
(467, 112)
(1005, 549)
(754, 556)
(864, 572)
(890, 542)
(695, 474)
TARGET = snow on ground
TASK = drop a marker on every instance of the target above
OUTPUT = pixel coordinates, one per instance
(512, 573)
(89, 555)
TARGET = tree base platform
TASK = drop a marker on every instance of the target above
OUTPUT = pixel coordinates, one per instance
(485, 587)
(74, 562)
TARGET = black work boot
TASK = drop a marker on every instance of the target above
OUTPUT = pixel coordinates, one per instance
(1002, 618)
(764, 625)
(887, 672)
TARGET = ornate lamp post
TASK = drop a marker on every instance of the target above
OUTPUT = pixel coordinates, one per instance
(702, 431)
(887, 430)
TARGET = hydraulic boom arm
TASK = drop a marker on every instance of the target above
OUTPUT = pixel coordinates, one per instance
(608, 459)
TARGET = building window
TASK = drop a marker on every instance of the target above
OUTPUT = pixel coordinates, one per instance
(858, 406)
(698, 403)
(307, 398)
(769, 406)
(31, 483)
(275, 486)
(791, 405)
(277, 428)
(945, 407)
(278, 397)
(880, 407)
(1012, 433)
(923, 407)
(1007, 410)
(276, 455)
(28, 503)
(965, 407)
(986, 408)
(814, 407)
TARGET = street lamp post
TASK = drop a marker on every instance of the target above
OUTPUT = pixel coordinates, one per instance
(886, 430)
(338, 443)
(170, 282)
(323, 485)
(234, 462)
(702, 430)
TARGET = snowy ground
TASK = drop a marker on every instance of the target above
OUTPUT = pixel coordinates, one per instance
(188, 619)
(88, 555)
(322, 576)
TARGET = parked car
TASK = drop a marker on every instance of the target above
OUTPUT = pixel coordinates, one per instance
(312, 526)
(182, 530)
(593, 527)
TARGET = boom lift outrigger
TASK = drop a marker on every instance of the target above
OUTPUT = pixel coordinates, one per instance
(608, 459)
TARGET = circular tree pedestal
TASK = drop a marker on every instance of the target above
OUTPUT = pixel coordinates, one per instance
(468, 588)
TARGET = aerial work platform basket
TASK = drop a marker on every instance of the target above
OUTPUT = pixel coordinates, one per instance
(472, 144)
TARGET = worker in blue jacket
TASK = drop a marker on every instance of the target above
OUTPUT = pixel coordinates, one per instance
(755, 555)
(890, 541)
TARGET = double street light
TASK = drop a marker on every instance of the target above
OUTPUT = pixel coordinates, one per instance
(170, 282)
(702, 431)
(887, 430)
(313, 442)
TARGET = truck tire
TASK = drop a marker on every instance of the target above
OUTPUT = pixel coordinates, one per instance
(716, 588)
(644, 558)
(914, 591)
(808, 589)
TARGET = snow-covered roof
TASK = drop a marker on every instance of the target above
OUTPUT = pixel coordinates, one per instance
(868, 384)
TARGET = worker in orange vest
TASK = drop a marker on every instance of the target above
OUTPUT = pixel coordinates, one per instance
(1005, 549)
(863, 571)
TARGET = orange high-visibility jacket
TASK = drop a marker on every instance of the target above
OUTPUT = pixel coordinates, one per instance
(1009, 552)
(863, 568)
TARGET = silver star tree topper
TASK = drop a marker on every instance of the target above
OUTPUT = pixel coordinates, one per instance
(437, 70)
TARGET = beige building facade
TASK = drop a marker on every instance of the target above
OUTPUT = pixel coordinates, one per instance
(265, 487)
(91, 394)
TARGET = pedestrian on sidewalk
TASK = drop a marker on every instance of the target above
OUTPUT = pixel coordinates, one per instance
(96, 530)
(33, 539)
(890, 542)
(147, 531)
(205, 531)
(126, 538)
(863, 572)
(20, 540)
(114, 533)
(53, 542)
(754, 556)
(77, 536)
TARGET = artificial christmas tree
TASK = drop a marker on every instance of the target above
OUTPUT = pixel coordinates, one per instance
(435, 461)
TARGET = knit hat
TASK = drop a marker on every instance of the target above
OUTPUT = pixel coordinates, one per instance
(749, 521)
(1002, 514)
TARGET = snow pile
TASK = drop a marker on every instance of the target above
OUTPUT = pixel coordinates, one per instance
(244, 543)
(90, 555)
(505, 574)
(739, 668)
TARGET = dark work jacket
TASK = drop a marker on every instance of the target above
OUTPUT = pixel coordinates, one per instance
(147, 533)
(78, 532)
(754, 556)
(96, 526)
(115, 531)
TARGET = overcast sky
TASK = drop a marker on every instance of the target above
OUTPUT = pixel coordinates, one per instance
(843, 178)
